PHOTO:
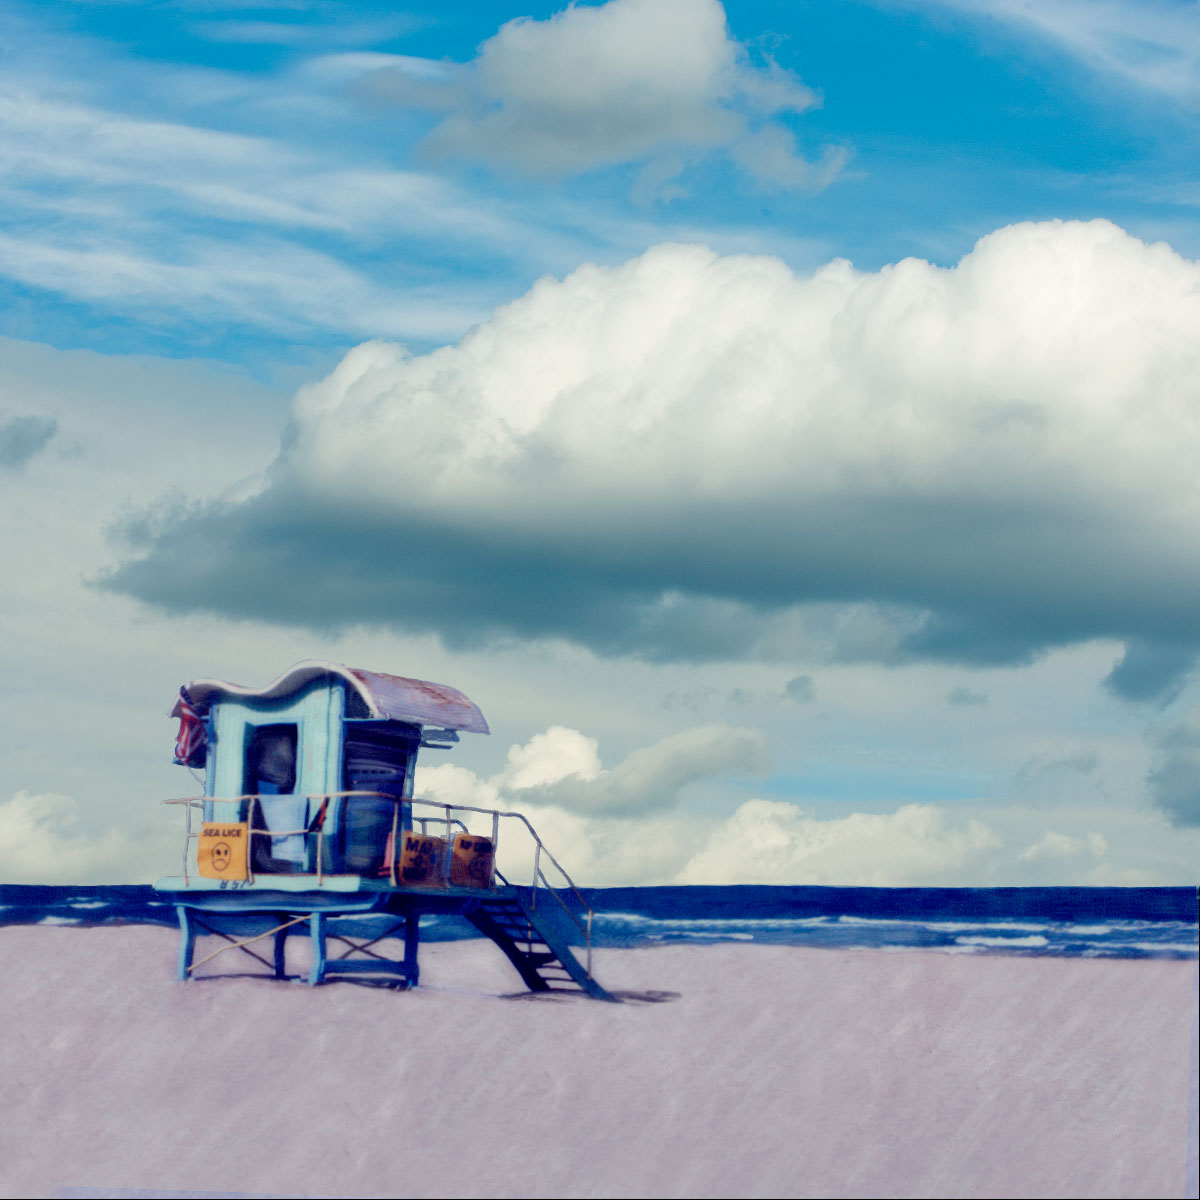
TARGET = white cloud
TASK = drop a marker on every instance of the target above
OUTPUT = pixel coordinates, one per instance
(219, 198)
(1061, 846)
(1152, 44)
(557, 781)
(626, 81)
(1030, 371)
(651, 779)
(41, 842)
(272, 285)
(128, 430)
(549, 758)
(683, 450)
(561, 767)
(229, 228)
(315, 35)
(605, 826)
(770, 841)
(762, 841)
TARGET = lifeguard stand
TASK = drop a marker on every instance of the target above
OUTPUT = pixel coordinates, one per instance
(308, 820)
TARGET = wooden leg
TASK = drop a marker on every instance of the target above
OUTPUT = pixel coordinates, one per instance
(316, 927)
(280, 943)
(187, 943)
(412, 937)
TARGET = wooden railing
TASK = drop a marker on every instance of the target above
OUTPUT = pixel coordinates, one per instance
(540, 882)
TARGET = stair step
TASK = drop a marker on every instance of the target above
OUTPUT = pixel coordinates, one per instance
(515, 930)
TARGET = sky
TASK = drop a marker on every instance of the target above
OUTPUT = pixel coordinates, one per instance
(780, 418)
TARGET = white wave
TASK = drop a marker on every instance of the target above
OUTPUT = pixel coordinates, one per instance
(1029, 942)
(958, 926)
(59, 921)
(895, 948)
(944, 926)
(711, 922)
(879, 921)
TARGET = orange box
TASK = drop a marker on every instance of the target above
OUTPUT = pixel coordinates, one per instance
(471, 861)
(421, 859)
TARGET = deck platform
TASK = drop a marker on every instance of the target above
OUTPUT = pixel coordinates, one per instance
(357, 913)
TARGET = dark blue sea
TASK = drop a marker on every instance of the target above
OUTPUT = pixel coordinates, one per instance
(1056, 921)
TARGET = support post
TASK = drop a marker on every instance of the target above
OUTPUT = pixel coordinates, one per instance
(187, 943)
(280, 959)
(495, 847)
(412, 939)
(316, 932)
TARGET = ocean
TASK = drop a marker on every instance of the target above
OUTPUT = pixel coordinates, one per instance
(1073, 922)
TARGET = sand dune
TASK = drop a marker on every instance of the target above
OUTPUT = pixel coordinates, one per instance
(777, 1072)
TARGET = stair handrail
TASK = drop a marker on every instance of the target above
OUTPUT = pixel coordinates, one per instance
(584, 927)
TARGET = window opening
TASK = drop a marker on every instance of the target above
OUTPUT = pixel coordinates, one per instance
(271, 761)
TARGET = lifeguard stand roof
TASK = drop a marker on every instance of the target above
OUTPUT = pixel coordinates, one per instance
(388, 697)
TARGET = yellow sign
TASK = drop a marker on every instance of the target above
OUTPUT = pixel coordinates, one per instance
(222, 853)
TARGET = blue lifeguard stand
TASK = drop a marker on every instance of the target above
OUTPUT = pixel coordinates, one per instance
(308, 822)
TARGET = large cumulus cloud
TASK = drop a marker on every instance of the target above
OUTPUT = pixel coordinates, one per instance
(695, 457)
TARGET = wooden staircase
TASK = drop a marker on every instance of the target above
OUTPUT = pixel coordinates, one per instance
(536, 943)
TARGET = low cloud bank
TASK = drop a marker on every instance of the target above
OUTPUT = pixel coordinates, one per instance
(771, 841)
(557, 780)
(692, 457)
(628, 824)
(41, 842)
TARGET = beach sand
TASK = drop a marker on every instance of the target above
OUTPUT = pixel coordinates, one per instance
(777, 1071)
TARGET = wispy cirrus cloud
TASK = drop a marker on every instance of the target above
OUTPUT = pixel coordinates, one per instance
(199, 225)
(1153, 45)
(317, 34)
(205, 225)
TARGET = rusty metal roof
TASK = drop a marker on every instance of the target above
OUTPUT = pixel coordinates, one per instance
(391, 697)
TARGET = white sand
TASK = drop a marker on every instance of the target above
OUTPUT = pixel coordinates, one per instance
(778, 1072)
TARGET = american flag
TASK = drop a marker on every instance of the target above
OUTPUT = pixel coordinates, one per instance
(189, 745)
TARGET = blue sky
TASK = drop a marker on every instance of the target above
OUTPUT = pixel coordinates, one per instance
(183, 137)
(707, 522)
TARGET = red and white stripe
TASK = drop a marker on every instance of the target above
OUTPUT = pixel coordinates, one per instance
(189, 745)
